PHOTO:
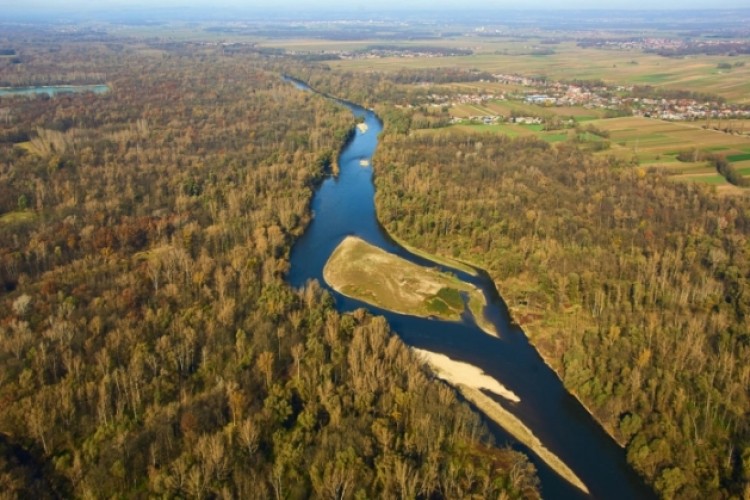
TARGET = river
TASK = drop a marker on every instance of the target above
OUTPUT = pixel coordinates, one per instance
(52, 90)
(343, 206)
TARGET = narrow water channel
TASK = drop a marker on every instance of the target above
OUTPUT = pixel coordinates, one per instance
(344, 206)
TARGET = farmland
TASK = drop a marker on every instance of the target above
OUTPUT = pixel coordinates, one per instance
(568, 61)
(560, 57)
(508, 107)
(656, 143)
(649, 142)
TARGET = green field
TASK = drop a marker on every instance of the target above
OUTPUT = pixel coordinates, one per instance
(514, 130)
(501, 128)
(656, 143)
(651, 140)
(739, 157)
(742, 167)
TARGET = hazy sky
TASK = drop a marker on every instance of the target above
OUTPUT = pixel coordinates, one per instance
(379, 5)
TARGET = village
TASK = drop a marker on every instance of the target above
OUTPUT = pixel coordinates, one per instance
(671, 47)
(618, 100)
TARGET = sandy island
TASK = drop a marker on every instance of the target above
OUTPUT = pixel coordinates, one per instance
(365, 272)
(469, 380)
(362, 127)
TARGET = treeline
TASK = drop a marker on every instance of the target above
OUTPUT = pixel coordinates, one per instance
(438, 75)
(729, 48)
(36, 64)
(434, 50)
(722, 165)
(634, 288)
(149, 345)
(651, 92)
(727, 170)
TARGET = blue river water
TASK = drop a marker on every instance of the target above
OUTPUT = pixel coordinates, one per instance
(344, 205)
(52, 90)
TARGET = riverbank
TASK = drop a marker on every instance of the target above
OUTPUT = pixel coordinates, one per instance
(456, 372)
(516, 313)
(548, 358)
(470, 381)
(439, 259)
(518, 430)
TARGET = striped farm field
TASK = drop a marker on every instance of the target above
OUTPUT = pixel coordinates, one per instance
(656, 143)
(651, 139)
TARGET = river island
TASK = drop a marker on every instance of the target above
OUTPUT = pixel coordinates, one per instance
(365, 272)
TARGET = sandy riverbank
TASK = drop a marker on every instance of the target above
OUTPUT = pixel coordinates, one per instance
(457, 372)
(470, 380)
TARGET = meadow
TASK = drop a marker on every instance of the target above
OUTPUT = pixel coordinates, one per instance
(697, 73)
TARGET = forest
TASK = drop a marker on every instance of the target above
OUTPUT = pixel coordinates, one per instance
(149, 345)
(634, 288)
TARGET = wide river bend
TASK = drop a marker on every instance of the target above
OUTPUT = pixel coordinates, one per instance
(343, 206)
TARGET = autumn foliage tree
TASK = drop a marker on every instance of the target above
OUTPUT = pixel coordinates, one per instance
(149, 345)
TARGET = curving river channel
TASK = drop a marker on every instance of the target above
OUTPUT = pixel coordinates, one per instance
(344, 206)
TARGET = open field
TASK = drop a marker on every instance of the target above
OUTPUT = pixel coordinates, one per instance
(695, 73)
(519, 130)
(367, 273)
(656, 143)
(742, 167)
(651, 138)
(504, 53)
(507, 108)
(508, 129)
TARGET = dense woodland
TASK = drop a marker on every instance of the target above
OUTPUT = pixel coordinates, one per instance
(149, 345)
(634, 288)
